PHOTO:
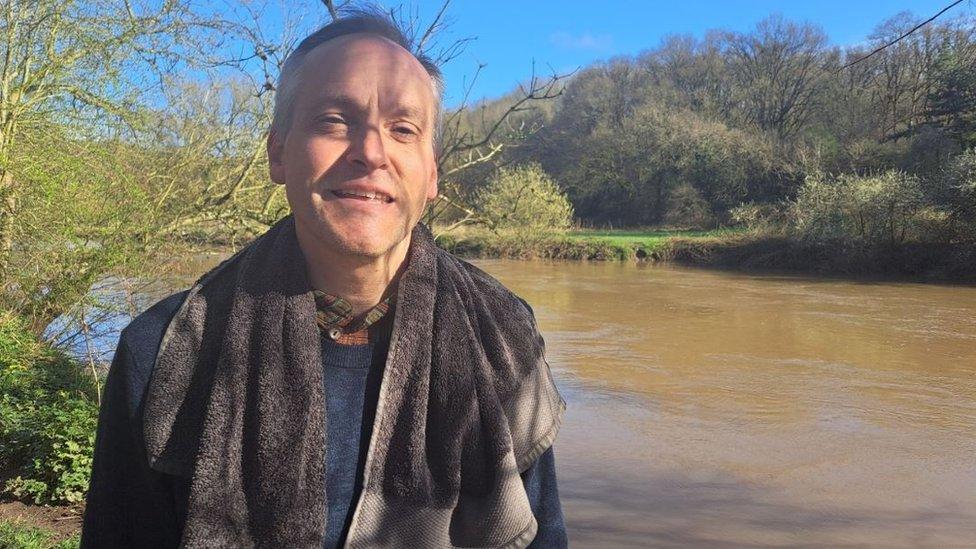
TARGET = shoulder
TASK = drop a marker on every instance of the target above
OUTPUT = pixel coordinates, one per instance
(143, 335)
(515, 348)
(128, 376)
(496, 294)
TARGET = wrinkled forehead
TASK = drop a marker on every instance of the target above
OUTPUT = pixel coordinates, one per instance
(367, 68)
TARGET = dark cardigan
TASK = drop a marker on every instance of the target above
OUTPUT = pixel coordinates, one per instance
(131, 505)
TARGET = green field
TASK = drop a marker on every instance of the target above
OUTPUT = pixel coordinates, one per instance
(633, 244)
(649, 237)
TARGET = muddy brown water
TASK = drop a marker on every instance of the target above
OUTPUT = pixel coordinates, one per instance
(716, 409)
(710, 409)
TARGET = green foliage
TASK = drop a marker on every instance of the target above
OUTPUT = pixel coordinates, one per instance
(686, 207)
(15, 535)
(952, 101)
(113, 147)
(507, 245)
(744, 117)
(760, 217)
(48, 415)
(882, 208)
(83, 214)
(654, 164)
(526, 199)
(957, 191)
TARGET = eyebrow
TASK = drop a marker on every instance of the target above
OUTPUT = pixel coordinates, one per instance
(410, 111)
(346, 102)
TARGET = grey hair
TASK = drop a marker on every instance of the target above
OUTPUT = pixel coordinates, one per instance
(354, 21)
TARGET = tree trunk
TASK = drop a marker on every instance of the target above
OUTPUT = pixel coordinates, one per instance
(8, 209)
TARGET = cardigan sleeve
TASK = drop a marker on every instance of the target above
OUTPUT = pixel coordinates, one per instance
(540, 485)
(128, 504)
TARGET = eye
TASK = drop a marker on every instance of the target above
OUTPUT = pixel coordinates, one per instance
(331, 119)
(405, 132)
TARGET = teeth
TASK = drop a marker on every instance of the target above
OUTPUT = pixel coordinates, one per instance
(364, 194)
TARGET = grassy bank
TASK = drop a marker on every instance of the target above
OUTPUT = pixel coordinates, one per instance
(634, 245)
(730, 249)
(912, 261)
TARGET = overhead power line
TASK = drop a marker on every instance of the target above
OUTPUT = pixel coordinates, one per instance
(902, 37)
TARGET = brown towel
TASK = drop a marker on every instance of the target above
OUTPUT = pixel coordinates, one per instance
(466, 402)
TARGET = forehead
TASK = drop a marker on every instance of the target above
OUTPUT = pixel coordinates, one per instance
(366, 69)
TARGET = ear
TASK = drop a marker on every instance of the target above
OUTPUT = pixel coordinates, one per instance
(432, 183)
(275, 148)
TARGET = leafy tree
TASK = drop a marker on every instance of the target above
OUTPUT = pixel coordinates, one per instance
(957, 192)
(78, 63)
(527, 199)
(952, 102)
(882, 208)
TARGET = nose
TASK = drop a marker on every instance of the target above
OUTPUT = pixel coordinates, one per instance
(367, 149)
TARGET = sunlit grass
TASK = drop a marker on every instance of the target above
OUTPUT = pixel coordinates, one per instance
(640, 244)
(649, 237)
(17, 534)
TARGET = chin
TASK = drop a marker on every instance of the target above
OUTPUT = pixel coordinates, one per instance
(367, 243)
(364, 248)
(366, 238)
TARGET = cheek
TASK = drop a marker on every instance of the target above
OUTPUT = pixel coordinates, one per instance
(312, 157)
(420, 168)
(298, 197)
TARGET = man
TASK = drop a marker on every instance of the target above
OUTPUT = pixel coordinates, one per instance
(340, 381)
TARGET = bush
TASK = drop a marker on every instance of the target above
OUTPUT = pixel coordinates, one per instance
(48, 416)
(525, 198)
(956, 191)
(881, 208)
(761, 217)
(687, 208)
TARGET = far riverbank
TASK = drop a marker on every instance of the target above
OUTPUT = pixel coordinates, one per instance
(731, 249)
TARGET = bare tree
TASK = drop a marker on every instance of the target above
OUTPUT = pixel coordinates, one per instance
(780, 70)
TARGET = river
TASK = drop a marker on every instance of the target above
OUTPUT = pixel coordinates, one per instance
(715, 409)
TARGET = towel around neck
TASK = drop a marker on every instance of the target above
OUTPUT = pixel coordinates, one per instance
(467, 401)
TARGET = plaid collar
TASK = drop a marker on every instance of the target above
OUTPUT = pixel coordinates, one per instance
(335, 319)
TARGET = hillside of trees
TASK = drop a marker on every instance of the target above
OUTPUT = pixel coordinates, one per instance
(736, 127)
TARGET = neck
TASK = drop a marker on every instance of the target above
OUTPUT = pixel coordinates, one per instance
(363, 281)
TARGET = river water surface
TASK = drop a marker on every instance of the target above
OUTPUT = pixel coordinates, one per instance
(716, 409)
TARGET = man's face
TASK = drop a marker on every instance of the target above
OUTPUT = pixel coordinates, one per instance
(358, 160)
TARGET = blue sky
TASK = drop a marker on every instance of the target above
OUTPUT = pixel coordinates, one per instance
(567, 34)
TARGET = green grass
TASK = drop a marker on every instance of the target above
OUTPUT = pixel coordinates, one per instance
(651, 237)
(20, 535)
(619, 245)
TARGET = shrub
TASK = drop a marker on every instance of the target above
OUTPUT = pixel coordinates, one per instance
(882, 208)
(761, 217)
(687, 208)
(525, 198)
(48, 416)
(956, 191)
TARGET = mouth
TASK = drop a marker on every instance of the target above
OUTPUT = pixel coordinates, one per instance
(366, 196)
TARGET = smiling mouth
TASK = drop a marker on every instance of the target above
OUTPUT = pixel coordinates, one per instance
(364, 195)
